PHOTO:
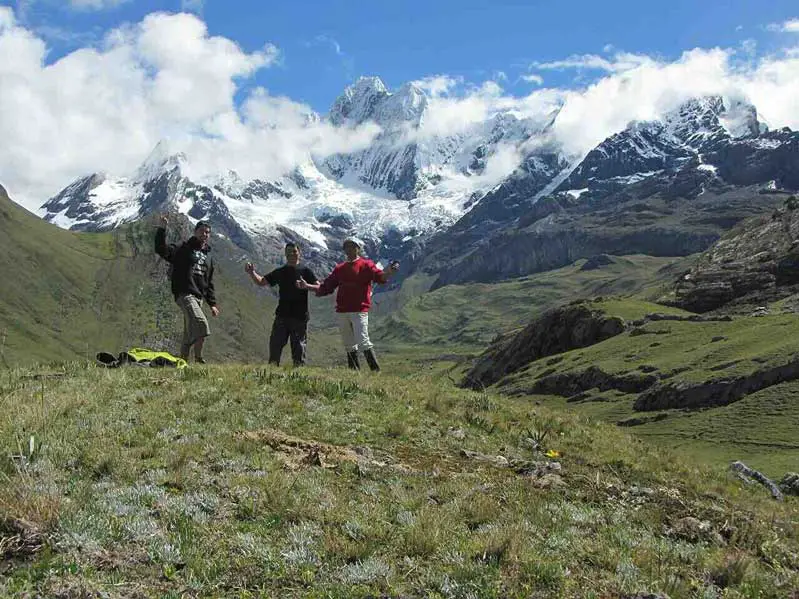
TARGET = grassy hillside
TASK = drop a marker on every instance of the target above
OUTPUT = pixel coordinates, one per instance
(239, 481)
(67, 295)
(467, 317)
(759, 429)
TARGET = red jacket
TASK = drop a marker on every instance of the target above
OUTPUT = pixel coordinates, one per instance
(354, 281)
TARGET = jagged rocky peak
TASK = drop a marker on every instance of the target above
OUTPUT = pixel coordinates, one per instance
(698, 119)
(160, 161)
(699, 126)
(368, 99)
(357, 104)
(406, 105)
(740, 119)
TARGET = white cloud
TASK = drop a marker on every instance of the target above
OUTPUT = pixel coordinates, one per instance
(789, 26)
(105, 108)
(622, 61)
(95, 4)
(436, 86)
(589, 115)
(533, 78)
(326, 39)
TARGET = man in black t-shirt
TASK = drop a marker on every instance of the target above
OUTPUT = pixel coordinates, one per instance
(291, 316)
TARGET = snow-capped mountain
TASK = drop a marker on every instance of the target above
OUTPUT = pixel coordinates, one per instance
(667, 187)
(414, 182)
(406, 184)
(697, 136)
(405, 159)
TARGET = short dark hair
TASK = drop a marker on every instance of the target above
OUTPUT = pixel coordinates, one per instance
(202, 224)
(292, 244)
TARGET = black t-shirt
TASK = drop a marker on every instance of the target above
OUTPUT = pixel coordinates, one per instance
(293, 302)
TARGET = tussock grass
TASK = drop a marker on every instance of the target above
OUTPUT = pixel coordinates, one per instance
(246, 481)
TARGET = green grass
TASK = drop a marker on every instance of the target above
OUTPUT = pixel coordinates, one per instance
(758, 429)
(244, 481)
(465, 318)
(747, 344)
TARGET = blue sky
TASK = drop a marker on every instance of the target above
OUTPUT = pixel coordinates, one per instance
(94, 85)
(325, 45)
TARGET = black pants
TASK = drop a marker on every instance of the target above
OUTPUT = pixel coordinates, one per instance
(288, 329)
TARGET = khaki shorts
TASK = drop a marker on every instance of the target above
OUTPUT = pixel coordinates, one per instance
(195, 324)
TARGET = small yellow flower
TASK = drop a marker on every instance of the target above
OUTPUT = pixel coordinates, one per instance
(551, 453)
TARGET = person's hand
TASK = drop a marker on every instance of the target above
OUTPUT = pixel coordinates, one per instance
(249, 268)
(215, 311)
(302, 283)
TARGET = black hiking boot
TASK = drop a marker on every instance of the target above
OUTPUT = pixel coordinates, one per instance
(352, 360)
(371, 359)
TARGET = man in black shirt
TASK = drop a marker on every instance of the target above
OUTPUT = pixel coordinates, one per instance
(192, 282)
(291, 316)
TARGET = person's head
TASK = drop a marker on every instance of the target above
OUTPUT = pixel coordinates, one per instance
(352, 248)
(292, 254)
(202, 231)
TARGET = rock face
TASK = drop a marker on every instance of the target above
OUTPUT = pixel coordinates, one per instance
(753, 260)
(572, 384)
(554, 332)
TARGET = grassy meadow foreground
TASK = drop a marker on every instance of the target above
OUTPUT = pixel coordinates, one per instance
(245, 481)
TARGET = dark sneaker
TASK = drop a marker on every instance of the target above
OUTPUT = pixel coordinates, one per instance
(199, 360)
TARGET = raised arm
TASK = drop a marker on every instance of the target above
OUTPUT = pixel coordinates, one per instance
(167, 252)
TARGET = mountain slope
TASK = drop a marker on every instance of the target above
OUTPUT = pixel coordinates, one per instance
(69, 295)
(664, 374)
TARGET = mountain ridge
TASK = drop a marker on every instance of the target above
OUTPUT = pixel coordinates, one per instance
(407, 191)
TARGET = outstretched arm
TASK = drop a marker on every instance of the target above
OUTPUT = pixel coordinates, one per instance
(261, 280)
(303, 284)
(383, 276)
(327, 286)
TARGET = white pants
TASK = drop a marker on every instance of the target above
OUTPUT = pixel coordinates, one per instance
(354, 327)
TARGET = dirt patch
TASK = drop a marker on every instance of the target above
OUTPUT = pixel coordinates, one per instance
(300, 453)
(19, 539)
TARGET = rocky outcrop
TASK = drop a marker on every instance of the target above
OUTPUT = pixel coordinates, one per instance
(790, 484)
(755, 259)
(569, 384)
(716, 392)
(596, 262)
(554, 332)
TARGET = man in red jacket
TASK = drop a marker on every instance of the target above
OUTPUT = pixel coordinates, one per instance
(354, 279)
